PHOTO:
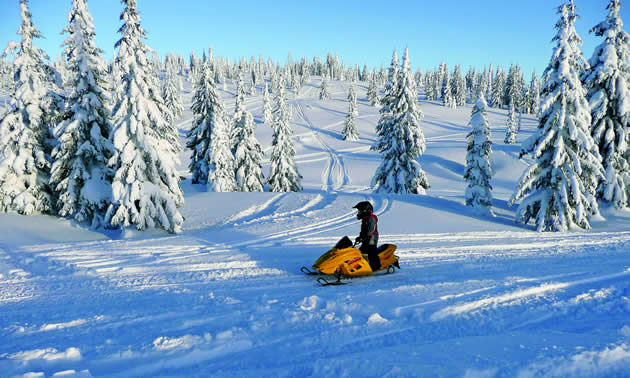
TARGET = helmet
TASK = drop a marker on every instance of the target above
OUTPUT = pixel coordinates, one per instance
(364, 209)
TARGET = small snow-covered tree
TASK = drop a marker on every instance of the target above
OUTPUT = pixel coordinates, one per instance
(172, 95)
(498, 89)
(558, 189)
(350, 131)
(145, 187)
(609, 97)
(283, 174)
(372, 93)
(534, 94)
(478, 169)
(458, 87)
(324, 93)
(80, 176)
(25, 137)
(510, 133)
(399, 172)
(267, 106)
(447, 99)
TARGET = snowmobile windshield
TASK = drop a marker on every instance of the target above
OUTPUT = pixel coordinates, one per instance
(344, 243)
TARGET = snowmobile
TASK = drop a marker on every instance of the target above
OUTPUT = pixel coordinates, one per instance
(345, 261)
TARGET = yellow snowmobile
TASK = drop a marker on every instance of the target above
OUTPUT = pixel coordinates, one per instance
(346, 261)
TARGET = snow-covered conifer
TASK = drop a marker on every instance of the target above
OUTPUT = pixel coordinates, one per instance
(534, 94)
(458, 87)
(372, 93)
(387, 107)
(324, 93)
(399, 172)
(247, 152)
(208, 110)
(498, 89)
(267, 106)
(558, 189)
(350, 131)
(478, 169)
(447, 93)
(79, 175)
(145, 187)
(25, 137)
(510, 133)
(283, 174)
(221, 173)
(609, 97)
(172, 95)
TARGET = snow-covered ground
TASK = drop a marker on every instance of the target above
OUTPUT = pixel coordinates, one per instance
(476, 297)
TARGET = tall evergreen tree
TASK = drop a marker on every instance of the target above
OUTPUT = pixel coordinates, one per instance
(25, 136)
(558, 190)
(399, 171)
(246, 150)
(283, 175)
(609, 97)
(145, 187)
(510, 133)
(478, 169)
(208, 111)
(79, 174)
(350, 131)
(387, 106)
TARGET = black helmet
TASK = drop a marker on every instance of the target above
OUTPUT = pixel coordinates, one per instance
(364, 209)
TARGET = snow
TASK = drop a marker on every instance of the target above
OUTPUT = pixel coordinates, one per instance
(477, 296)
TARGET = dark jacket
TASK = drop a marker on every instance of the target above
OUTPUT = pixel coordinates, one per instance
(369, 230)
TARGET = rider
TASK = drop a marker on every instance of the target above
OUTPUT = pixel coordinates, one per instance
(369, 233)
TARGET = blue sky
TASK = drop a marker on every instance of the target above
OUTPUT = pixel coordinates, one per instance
(461, 31)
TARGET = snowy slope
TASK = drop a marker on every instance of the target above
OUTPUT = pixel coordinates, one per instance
(475, 296)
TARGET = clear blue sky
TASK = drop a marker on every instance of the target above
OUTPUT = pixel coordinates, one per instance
(360, 31)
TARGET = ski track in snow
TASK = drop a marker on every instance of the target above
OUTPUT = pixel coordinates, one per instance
(490, 303)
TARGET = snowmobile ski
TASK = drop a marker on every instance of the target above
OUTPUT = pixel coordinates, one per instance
(324, 282)
(309, 272)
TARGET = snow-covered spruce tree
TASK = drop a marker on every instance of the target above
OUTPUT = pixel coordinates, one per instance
(145, 187)
(609, 97)
(372, 93)
(283, 173)
(498, 89)
(324, 94)
(241, 92)
(351, 131)
(221, 174)
(79, 175)
(478, 170)
(246, 151)
(387, 105)
(399, 172)
(534, 94)
(558, 190)
(447, 99)
(208, 110)
(510, 132)
(172, 94)
(25, 135)
(267, 106)
(458, 87)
